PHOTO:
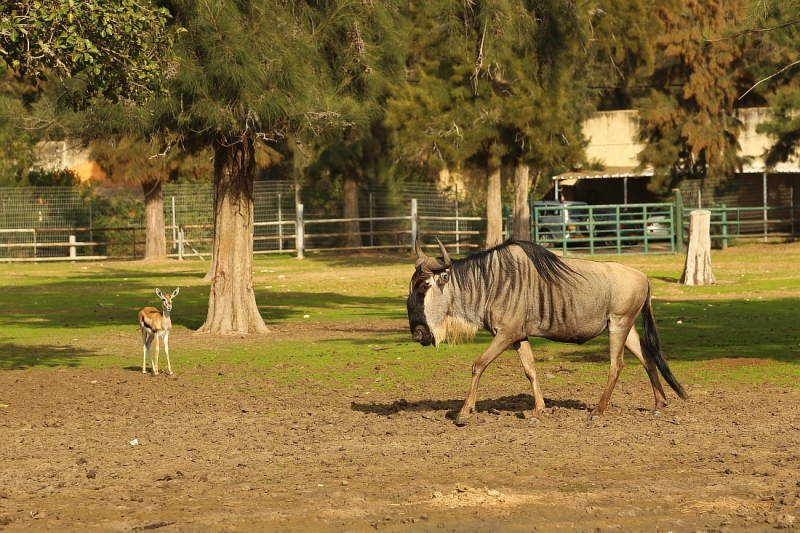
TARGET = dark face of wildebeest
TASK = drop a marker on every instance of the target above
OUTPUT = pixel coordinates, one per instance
(429, 298)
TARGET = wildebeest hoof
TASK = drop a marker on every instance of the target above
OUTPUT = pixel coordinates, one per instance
(461, 421)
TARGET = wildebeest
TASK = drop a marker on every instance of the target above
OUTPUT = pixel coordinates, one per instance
(517, 290)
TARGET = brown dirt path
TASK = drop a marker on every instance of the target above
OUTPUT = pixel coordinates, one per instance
(215, 455)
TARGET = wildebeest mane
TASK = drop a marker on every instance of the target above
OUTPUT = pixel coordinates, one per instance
(475, 268)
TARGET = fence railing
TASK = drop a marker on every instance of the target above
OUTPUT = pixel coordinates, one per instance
(615, 229)
(195, 240)
(763, 223)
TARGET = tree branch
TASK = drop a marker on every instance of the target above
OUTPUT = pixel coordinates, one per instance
(759, 82)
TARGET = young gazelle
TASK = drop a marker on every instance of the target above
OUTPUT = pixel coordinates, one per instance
(155, 324)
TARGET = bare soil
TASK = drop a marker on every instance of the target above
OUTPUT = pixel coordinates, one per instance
(222, 449)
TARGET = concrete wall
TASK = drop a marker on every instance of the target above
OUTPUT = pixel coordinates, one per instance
(612, 136)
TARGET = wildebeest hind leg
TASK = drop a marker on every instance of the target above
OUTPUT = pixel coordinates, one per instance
(526, 356)
(635, 345)
(616, 347)
(496, 347)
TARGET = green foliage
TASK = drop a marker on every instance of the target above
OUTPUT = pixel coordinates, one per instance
(619, 48)
(52, 178)
(115, 49)
(488, 81)
(16, 146)
(688, 120)
(266, 69)
(783, 126)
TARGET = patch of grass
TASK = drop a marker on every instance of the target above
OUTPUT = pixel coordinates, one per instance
(84, 315)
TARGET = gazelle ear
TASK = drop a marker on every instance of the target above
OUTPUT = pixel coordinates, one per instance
(158, 292)
(175, 293)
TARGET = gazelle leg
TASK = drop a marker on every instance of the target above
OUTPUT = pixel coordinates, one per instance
(526, 356)
(166, 351)
(493, 351)
(154, 361)
(634, 344)
(144, 350)
(617, 334)
(148, 344)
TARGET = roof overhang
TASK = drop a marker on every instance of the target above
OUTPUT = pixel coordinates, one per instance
(571, 178)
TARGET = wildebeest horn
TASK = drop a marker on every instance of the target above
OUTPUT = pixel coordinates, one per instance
(445, 257)
(430, 264)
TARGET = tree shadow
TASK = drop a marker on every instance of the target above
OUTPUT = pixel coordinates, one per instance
(512, 404)
(19, 357)
(666, 279)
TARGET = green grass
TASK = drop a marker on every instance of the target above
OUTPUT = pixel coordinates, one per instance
(55, 315)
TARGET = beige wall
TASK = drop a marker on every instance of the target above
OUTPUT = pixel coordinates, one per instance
(72, 155)
(612, 136)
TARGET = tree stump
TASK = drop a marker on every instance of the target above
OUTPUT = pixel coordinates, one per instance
(697, 269)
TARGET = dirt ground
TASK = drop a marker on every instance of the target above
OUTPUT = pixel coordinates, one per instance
(114, 450)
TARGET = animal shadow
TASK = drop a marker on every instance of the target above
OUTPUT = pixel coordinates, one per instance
(512, 404)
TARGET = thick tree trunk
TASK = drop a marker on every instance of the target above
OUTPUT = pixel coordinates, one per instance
(494, 208)
(232, 307)
(522, 212)
(155, 247)
(697, 269)
(352, 238)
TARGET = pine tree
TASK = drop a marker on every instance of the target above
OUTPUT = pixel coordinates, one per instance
(250, 74)
(477, 69)
(688, 121)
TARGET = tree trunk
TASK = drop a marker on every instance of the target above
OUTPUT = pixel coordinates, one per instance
(298, 168)
(494, 208)
(697, 269)
(522, 211)
(232, 307)
(155, 247)
(352, 238)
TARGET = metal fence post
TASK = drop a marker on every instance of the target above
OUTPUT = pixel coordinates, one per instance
(280, 224)
(371, 227)
(173, 225)
(91, 233)
(300, 232)
(458, 234)
(180, 244)
(724, 226)
(72, 250)
(414, 226)
(679, 220)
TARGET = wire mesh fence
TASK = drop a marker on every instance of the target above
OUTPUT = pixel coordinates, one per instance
(49, 223)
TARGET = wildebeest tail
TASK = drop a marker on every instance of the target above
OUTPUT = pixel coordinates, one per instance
(653, 344)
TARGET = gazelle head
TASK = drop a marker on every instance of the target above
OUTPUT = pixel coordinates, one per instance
(167, 298)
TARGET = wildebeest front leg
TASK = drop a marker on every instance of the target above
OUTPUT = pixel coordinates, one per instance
(526, 356)
(635, 345)
(496, 347)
